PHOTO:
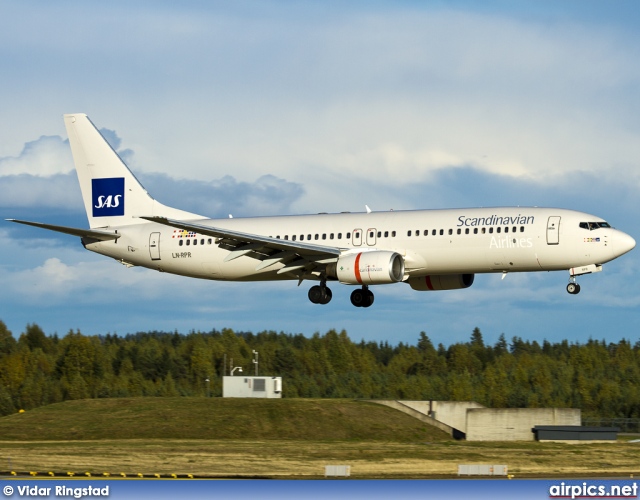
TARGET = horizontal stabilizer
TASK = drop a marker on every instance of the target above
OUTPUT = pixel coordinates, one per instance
(82, 233)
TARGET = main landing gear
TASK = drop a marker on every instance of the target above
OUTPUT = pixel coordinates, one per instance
(573, 288)
(362, 297)
(320, 294)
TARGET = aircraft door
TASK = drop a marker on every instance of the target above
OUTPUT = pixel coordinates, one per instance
(371, 236)
(357, 237)
(553, 230)
(154, 246)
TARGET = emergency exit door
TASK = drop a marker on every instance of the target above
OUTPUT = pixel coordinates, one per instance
(154, 246)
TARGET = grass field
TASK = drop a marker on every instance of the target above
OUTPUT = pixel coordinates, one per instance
(272, 438)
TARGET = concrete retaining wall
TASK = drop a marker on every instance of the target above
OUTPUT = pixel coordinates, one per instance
(452, 413)
(400, 405)
(515, 424)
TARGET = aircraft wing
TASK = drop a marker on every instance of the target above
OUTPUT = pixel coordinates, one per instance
(296, 256)
(95, 234)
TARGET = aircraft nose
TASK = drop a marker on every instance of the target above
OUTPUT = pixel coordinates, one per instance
(623, 243)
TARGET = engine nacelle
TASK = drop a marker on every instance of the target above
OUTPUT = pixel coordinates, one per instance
(441, 282)
(368, 268)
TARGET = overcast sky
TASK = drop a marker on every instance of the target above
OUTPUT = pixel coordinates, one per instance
(264, 108)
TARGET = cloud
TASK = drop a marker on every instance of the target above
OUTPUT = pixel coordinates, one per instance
(45, 156)
(268, 195)
(57, 190)
(39, 178)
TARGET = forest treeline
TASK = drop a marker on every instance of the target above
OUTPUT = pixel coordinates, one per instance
(603, 379)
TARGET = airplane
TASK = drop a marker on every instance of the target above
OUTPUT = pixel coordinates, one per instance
(426, 249)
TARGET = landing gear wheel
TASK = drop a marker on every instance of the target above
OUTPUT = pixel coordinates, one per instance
(362, 297)
(573, 288)
(357, 298)
(327, 296)
(320, 294)
(368, 299)
(315, 294)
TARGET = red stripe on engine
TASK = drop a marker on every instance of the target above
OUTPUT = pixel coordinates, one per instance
(427, 280)
(357, 269)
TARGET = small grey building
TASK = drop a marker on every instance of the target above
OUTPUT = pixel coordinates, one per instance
(251, 387)
(574, 433)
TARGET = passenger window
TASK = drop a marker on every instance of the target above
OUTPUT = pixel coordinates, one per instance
(195, 242)
(433, 233)
(498, 229)
(348, 235)
(408, 233)
(484, 230)
(514, 229)
(426, 232)
(202, 241)
(317, 237)
(490, 230)
(340, 236)
(302, 237)
(386, 234)
(466, 231)
(188, 242)
(506, 229)
(324, 236)
(331, 236)
(459, 231)
(308, 237)
(180, 242)
(475, 230)
(450, 231)
(379, 234)
(393, 234)
(293, 238)
(522, 229)
(441, 232)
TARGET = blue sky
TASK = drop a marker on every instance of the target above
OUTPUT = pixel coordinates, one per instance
(263, 108)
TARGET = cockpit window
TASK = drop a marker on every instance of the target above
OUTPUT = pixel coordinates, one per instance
(593, 225)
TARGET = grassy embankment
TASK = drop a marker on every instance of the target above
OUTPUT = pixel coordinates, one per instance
(270, 438)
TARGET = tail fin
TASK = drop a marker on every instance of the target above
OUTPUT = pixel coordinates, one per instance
(111, 193)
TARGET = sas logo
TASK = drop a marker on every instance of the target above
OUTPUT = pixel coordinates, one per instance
(108, 196)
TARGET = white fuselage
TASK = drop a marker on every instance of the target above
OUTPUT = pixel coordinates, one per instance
(472, 240)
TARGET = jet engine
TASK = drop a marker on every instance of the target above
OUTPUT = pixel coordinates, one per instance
(441, 282)
(368, 268)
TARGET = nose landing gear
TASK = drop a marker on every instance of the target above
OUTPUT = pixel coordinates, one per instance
(573, 288)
